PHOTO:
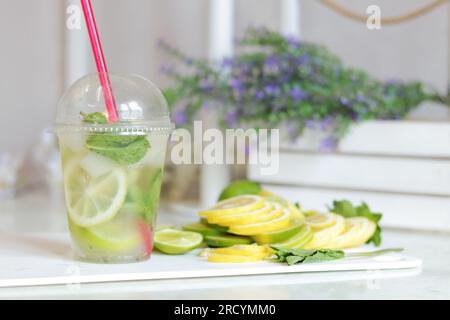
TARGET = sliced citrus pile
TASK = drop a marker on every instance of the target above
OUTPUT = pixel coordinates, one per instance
(239, 254)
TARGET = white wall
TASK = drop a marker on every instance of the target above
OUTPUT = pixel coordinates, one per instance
(32, 53)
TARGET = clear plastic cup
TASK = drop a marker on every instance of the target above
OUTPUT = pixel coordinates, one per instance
(112, 171)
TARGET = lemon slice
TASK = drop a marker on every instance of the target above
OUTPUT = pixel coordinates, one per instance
(257, 228)
(323, 237)
(319, 221)
(366, 231)
(235, 205)
(244, 250)
(266, 213)
(350, 235)
(225, 258)
(173, 241)
(94, 200)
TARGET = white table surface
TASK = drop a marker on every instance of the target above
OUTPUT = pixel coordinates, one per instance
(42, 212)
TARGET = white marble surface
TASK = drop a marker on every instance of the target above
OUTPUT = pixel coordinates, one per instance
(40, 212)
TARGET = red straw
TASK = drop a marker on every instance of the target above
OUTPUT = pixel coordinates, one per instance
(100, 60)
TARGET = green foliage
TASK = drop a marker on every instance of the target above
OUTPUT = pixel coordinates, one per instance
(294, 256)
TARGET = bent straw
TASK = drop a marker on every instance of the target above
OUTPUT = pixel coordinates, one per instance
(100, 60)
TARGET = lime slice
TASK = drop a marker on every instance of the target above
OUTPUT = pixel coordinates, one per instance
(279, 223)
(201, 228)
(213, 226)
(173, 241)
(277, 236)
(226, 240)
(93, 200)
(113, 236)
(235, 205)
(297, 241)
(267, 212)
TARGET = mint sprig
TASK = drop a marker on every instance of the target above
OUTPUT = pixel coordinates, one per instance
(296, 256)
(346, 209)
(124, 149)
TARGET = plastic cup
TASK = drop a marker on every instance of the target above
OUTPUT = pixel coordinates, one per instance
(112, 171)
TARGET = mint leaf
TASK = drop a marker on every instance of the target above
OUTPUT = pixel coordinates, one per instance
(294, 256)
(125, 150)
(346, 209)
(94, 117)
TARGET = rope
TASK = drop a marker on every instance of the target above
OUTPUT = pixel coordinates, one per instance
(389, 20)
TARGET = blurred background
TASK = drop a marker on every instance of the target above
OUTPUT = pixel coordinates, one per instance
(41, 57)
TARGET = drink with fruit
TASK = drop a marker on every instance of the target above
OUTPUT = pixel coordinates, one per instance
(112, 174)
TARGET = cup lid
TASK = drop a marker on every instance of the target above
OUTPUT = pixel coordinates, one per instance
(140, 105)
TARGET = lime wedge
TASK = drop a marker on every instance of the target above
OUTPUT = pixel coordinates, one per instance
(277, 236)
(238, 188)
(297, 241)
(226, 240)
(173, 241)
(201, 228)
(92, 200)
(213, 226)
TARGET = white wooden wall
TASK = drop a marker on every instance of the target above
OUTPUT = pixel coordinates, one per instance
(400, 168)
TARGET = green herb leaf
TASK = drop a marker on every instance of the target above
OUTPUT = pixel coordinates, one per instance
(294, 256)
(94, 117)
(125, 150)
(346, 209)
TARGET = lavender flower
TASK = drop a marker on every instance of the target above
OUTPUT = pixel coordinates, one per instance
(179, 117)
(297, 94)
(327, 144)
(326, 123)
(231, 119)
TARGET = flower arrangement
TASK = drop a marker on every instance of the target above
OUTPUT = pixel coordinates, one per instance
(276, 81)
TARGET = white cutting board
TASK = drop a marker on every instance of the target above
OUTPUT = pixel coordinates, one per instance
(27, 260)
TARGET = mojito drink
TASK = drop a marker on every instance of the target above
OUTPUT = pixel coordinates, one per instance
(112, 185)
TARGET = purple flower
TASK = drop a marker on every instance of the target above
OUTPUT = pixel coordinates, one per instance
(327, 145)
(310, 124)
(205, 105)
(236, 84)
(360, 98)
(297, 94)
(326, 123)
(272, 90)
(227, 63)
(344, 101)
(205, 84)
(231, 119)
(292, 41)
(259, 95)
(179, 117)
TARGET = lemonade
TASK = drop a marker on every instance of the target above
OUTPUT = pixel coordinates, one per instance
(112, 170)
(111, 201)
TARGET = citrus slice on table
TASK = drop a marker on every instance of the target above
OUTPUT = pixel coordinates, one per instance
(349, 236)
(323, 238)
(277, 236)
(94, 200)
(201, 228)
(366, 231)
(226, 240)
(234, 205)
(268, 212)
(173, 241)
(320, 220)
(299, 240)
(225, 258)
(244, 250)
(262, 227)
